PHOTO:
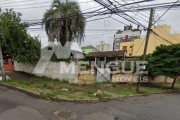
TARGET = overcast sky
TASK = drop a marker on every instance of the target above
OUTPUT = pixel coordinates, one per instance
(34, 10)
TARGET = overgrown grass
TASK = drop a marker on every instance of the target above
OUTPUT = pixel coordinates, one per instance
(143, 90)
(90, 94)
(52, 88)
(54, 92)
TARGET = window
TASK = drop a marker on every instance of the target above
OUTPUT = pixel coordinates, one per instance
(124, 47)
(131, 46)
(50, 48)
(130, 54)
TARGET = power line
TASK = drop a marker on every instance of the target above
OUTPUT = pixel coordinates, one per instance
(171, 35)
(82, 10)
(118, 21)
(35, 6)
(107, 6)
(23, 4)
(88, 16)
(40, 3)
(2, 2)
(133, 7)
(146, 7)
(139, 46)
(161, 37)
(166, 11)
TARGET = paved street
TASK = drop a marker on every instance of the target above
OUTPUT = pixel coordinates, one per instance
(19, 106)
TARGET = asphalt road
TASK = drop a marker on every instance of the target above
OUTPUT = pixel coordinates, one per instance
(19, 106)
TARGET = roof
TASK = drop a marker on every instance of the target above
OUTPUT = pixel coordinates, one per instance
(77, 54)
(89, 47)
(75, 51)
(136, 30)
(107, 54)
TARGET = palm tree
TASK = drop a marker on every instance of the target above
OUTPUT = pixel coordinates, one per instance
(64, 22)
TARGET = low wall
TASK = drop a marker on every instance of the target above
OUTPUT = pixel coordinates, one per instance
(162, 79)
(132, 78)
(52, 70)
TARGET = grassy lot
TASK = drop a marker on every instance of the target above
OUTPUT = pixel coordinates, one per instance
(53, 88)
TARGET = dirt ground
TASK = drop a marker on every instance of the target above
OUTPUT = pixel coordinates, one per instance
(18, 75)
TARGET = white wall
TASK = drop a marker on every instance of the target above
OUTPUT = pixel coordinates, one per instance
(52, 71)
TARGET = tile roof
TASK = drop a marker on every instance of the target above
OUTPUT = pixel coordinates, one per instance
(107, 54)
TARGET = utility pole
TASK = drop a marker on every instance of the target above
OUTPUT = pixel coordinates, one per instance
(146, 43)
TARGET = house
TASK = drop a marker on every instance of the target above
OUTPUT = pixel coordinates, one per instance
(89, 48)
(106, 59)
(136, 47)
(76, 55)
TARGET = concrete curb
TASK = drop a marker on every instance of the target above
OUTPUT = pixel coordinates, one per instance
(37, 95)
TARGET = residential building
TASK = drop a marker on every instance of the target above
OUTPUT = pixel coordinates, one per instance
(163, 37)
(88, 49)
(103, 46)
(127, 35)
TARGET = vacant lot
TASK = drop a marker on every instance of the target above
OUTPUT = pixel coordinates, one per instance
(53, 88)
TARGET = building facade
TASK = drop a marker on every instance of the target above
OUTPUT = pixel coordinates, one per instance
(127, 35)
(103, 47)
(88, 49)
(136, 47)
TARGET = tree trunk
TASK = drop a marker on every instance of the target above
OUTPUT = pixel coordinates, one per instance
(2, 65)
(174, 81)
(138, 83)
(166, 79)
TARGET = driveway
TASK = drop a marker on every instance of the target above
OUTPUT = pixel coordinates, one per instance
(15, 105)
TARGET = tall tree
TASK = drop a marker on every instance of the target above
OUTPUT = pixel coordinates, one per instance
(64, 22)
(14, 39)
(165, 61)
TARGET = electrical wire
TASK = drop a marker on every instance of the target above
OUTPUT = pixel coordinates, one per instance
(40, 3)
(113, 11)
(161, 37)
(166, 11)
